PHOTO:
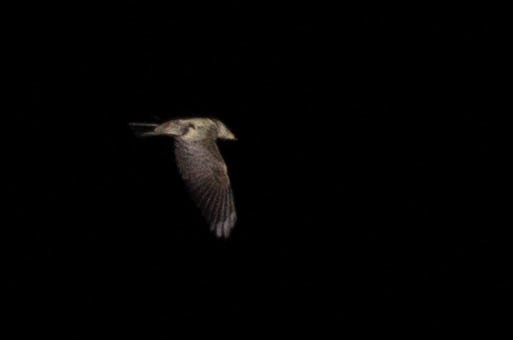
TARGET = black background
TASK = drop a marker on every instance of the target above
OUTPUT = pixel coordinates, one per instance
(367, 173)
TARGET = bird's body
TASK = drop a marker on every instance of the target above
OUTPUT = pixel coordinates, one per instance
(201, 166)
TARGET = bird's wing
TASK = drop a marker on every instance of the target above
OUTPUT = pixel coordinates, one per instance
(204, 171)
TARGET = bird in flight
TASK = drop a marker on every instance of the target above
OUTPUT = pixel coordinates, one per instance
(201, 166)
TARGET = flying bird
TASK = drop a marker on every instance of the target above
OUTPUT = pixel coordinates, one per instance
(201, 166)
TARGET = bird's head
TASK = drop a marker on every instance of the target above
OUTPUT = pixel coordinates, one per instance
(195, 129)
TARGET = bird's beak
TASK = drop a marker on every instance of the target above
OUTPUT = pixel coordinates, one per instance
(170, 128)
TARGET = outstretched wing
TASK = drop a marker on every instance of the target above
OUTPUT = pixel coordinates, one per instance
(204, 171)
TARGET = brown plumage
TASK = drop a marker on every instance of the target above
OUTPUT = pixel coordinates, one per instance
(201, 166)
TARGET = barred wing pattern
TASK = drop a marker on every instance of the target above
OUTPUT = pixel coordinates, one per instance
(204, 172)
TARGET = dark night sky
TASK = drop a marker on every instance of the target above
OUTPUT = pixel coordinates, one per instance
(366, 175)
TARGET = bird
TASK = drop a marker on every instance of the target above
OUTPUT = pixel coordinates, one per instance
(201, 166)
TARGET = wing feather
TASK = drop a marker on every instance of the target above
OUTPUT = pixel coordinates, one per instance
(205, 174)
(220, 218)
(226, 213)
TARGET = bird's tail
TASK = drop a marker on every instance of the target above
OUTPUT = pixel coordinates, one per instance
(144, 129)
